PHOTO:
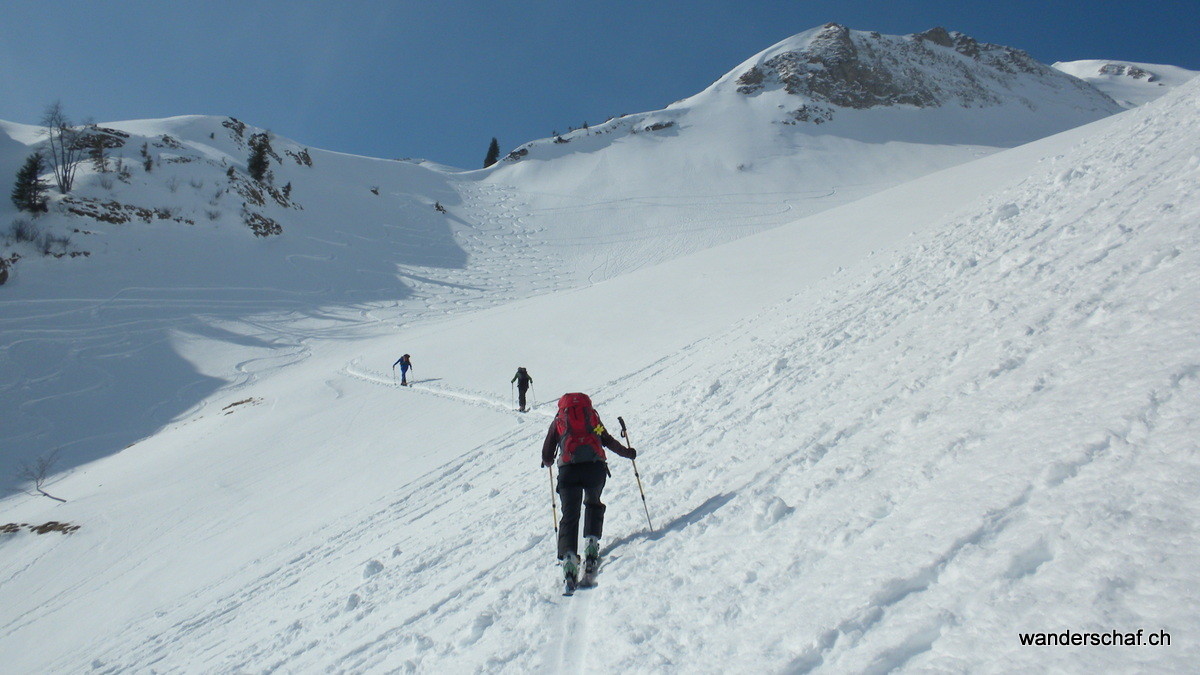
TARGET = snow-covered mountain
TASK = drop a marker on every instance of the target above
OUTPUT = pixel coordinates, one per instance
(828, 71)
(173, 217)
(890, 424)
(817, 120)
(1126, 82)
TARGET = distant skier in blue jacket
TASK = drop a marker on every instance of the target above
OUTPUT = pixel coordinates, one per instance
(405, 363)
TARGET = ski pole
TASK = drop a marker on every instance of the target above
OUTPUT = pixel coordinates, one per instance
(553, 503)
(625, 435)
(512, 394)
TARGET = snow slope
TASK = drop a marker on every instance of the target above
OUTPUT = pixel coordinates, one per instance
(1129, 83)
(825, 122)
(891, 435)
(90, 346)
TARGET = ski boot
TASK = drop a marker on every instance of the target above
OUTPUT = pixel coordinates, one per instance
(570, 565)
(591, 562)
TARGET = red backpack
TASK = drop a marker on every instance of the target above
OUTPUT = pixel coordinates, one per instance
(579, 430)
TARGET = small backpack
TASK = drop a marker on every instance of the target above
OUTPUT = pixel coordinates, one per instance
(579, 430)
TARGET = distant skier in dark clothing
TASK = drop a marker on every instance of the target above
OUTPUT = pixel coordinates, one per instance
(578, 438)
(405, 363)
(523, 380)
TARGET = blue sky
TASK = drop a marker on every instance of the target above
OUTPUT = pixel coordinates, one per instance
(440, 79)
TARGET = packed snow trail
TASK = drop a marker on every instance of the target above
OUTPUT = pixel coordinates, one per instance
(432, 386)
(567, 649)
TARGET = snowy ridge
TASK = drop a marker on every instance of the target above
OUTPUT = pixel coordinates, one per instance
(835, 67)
(732, 161)
(1129, 83)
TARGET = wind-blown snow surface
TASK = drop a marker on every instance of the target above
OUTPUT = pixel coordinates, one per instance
(983, 428)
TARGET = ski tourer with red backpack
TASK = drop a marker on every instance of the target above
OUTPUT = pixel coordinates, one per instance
(578, 438)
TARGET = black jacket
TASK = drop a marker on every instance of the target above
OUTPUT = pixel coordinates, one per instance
(522, 378)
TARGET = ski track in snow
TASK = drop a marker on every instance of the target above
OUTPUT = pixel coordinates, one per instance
(430, 386)
(569, 642)
(381, 587)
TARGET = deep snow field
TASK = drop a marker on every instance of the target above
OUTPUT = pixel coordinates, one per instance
(888, 430)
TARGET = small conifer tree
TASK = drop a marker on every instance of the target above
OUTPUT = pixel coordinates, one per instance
(260, 161)
(493, 154)
(29, 193)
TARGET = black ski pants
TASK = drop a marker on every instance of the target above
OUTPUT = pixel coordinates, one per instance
(521, 394)
(580, 484)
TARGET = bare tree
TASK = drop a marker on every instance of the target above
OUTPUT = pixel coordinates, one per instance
(65, 145)
(38, 472)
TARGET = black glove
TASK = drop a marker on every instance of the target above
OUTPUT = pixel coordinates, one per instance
(632, 453)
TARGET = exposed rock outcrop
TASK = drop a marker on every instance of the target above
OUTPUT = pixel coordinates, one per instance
(859, 70)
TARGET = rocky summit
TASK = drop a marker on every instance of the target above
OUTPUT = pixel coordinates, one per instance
(843, 68)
